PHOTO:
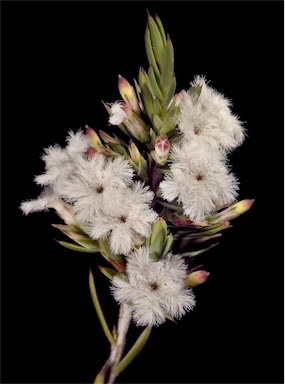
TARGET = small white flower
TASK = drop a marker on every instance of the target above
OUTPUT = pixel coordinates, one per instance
(210, 117)
(95, 186)
(199, 180)
(133, 219)
(60, 162)
(42, 203)
(118, 115)
(154, 289)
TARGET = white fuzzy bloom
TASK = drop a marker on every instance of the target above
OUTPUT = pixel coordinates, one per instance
(118, 115)
(133, 219)
(154, 289)
(95, 186)
(42, 203)
(199, 179)
(60, 162)
(210, 117)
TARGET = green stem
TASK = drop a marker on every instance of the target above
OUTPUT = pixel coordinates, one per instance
(99, 310)
(133, 352)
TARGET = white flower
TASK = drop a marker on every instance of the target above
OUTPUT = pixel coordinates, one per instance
(42, 203)
(210, 117)
(118, 114)
(95, 186)
(60, 162)
(199, 180)
(154, 289)
(133, 219)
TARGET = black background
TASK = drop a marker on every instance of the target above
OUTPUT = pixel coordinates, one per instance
(59, 60)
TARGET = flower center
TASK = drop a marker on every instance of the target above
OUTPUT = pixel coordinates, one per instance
(123, 219)
(99, 189)
(199, 177)
(154, 286)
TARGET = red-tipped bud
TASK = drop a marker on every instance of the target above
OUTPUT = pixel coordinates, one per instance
(91, 153)
(128, 94)
(197, 278)
(94, 138)
(162, 147)
(161, 150)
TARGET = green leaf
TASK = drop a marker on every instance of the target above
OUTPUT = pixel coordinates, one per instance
(154, 85)
(98, 309)
(147, 100)
(150, 54)
(161, 29)
(195, 92)
(77, 248)
(156, 41)
(134, 351)
(199, 252)
(108, 272)
(168, 66)
(171, 90)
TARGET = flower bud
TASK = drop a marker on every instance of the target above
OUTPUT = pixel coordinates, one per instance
(128, 94)
(137, 128)
(196, 278)
(91, 153)
(161, 150)
(118, 113)
(158, 239)
(94, 138)
(137, 161)
(234, 211)
(65, 212)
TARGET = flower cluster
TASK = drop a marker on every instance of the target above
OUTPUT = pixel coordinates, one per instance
(148, 192)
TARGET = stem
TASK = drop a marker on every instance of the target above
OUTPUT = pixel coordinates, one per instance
(133, 352)
(99, 310)
(117, 350)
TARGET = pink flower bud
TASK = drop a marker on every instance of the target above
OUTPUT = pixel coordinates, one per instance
(197, 278)
(162, 147)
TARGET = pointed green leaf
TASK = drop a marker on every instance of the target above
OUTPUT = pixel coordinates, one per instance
(138, 91)
(98, 309)
(150, 54)
(157, 123)
(158, 109)
(156, 41)
(170, 122)
(168, 66)
(147, 100)
(161, 29)
(154, 85)
(108, 272)
(171, 90)
(167, 245)
(75, 247)
(134, 351)
(199, 252)
(195, 92)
